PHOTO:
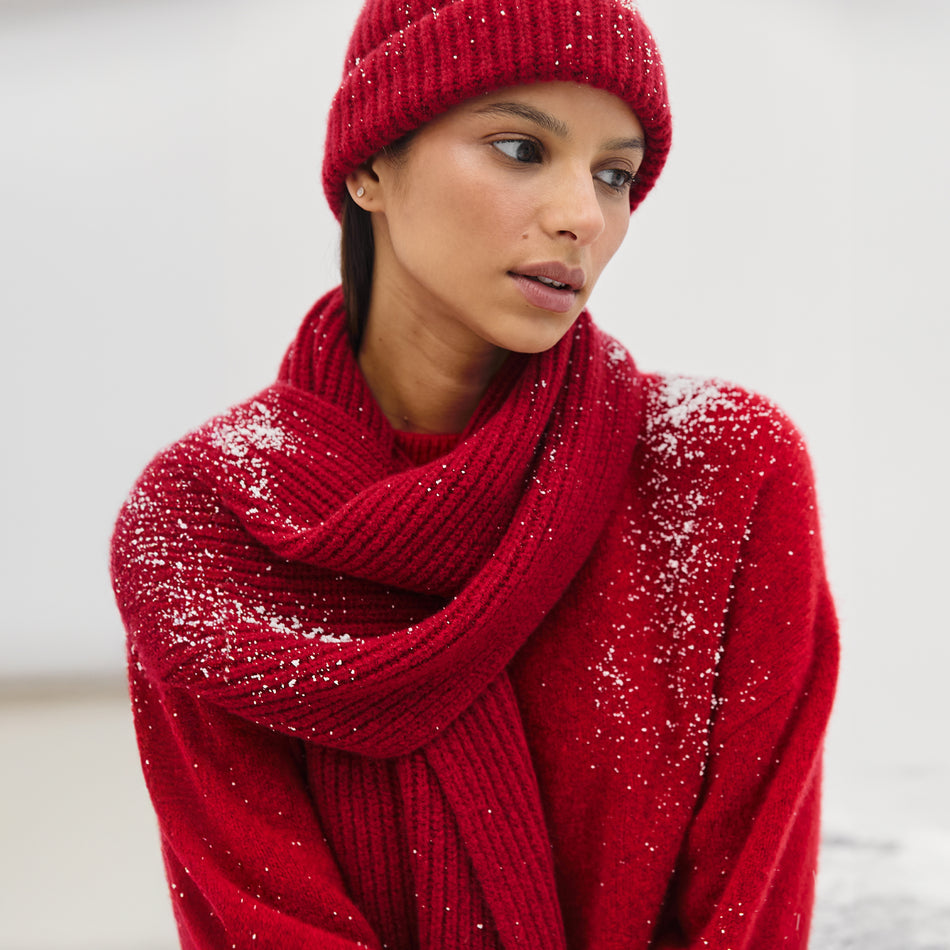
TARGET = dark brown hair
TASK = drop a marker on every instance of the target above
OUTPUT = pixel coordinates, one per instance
(357, 256)
(358, 250)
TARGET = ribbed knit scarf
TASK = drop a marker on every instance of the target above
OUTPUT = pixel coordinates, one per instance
(379, 603)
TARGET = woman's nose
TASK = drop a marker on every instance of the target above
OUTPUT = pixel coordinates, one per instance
(574, 208)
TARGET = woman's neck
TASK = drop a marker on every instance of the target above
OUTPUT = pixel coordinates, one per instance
(422, 381)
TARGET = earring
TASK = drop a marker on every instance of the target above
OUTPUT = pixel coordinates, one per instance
(360, 191)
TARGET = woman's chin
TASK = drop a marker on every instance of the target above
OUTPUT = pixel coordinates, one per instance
(538, 334)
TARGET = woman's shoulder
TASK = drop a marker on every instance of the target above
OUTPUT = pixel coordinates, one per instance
(712, 438)
(265, 429)
(237, 455)
(699, 417)
(717, 464)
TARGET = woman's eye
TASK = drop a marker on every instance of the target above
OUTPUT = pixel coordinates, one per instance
(617, 178)
(521, 150)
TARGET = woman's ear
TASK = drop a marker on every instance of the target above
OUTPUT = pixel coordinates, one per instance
(363, 186)
(358, 186)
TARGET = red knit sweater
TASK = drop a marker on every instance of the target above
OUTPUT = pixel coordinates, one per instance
(673, 704)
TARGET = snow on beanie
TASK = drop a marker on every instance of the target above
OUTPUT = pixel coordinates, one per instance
(408, 61)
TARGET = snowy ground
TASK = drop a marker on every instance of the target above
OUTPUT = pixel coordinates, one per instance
(884, 879)
(77, 835)
(883, 894)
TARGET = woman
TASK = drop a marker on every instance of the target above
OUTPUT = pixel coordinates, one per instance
(465, 633)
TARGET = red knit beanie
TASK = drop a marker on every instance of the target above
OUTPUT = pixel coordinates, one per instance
(408, 61)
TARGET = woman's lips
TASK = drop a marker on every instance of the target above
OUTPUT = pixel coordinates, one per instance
(574, 277)
(545, 296)
(534, 282)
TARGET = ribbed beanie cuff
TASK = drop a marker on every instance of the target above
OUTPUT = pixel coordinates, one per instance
(409, 61)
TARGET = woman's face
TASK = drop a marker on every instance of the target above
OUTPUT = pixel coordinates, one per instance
(495, 225)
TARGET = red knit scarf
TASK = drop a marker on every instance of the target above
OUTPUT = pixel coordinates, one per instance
(381, 603)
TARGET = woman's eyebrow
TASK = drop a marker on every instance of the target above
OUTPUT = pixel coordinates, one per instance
(552, 124)
(615, 145)
(522, 111)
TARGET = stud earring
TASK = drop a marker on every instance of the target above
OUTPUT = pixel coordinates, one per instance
(360, 191)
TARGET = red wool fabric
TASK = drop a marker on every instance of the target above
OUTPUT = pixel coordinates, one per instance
(564, 685)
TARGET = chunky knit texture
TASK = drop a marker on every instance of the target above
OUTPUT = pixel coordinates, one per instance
(563, 686)
(409, 61)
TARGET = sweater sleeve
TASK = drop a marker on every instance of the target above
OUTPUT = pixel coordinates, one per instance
(211, 612)
(246, 862)
(745, 878)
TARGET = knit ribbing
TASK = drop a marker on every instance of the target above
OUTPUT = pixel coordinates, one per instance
(422, 448)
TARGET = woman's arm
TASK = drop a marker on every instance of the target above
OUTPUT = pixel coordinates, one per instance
(745, 879)
(211, 612)
(246, 861)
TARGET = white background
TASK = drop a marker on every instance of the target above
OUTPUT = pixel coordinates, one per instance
(163, 231)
